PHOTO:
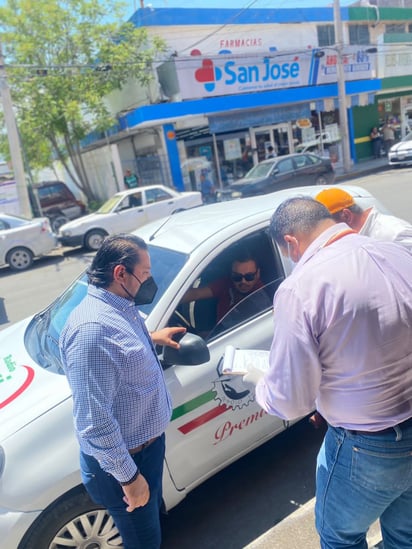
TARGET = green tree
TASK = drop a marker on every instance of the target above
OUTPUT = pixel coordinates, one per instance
(62, 58)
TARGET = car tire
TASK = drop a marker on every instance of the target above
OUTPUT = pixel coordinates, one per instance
(94, 239)
(19, 258)
(57, 222)
(73, 521)
(321, 180)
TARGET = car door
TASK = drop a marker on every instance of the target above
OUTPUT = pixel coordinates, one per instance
(159, 203)
(284, 175)
(215, 417)
(130, 213)
(308, 168)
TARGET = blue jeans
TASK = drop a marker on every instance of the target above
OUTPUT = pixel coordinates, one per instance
(359, 479)
(139, 529)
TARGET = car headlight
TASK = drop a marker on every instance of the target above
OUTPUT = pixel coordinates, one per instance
(236, 194)
(66, 232)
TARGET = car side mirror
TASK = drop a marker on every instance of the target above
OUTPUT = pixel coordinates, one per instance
(275, 171)
(193, 350)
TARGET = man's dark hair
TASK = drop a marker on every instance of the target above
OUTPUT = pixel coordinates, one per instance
(242, 255)
(121, 249)
(300, 214)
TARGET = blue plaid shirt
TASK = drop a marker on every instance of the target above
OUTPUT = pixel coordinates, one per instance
(120, 399)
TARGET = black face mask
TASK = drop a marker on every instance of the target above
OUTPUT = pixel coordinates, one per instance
(146, 292)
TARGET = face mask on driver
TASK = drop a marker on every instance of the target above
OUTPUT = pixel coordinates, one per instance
(146, 292)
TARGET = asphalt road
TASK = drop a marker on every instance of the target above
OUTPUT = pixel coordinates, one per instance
(242, 502)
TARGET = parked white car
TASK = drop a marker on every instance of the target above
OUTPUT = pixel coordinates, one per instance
(316, 144)
(215, 419)
(21, 240)
(400, 154)
(124, 212)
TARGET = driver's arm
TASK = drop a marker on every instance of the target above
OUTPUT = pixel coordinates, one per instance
(193, 294)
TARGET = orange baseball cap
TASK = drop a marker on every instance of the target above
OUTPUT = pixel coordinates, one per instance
(335, 199)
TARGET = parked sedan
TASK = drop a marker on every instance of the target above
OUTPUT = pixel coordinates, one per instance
(125, 212)
(215, 417)
(400, 154)
(282, 172)
(21, 240)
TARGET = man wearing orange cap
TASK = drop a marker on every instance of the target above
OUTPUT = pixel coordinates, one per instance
(369, 222)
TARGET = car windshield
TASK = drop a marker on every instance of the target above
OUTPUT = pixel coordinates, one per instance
(260, 170)
(408, 137)
(42, 334)
(108, 206)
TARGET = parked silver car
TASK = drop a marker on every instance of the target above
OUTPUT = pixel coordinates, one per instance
(21, 240)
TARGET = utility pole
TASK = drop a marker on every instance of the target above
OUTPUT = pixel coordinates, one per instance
(340, 73)
(14, 143)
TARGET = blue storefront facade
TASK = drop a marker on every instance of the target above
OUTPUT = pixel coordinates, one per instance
(234, 84)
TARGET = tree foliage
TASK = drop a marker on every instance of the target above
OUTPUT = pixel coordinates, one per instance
(62, 57)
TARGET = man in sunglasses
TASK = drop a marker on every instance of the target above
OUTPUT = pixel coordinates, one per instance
(243, 279)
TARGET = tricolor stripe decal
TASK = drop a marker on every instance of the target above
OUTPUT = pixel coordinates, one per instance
(191, 405)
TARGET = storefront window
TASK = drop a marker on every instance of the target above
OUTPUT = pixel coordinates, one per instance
(234, 158)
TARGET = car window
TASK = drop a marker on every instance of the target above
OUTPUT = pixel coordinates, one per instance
(312, 159)
(260, 170)
(130, 201)
(3, 225)
(302, 161)
(250, 307)
(54, 192)
(157, 195)
(285, 166)
(202, 316)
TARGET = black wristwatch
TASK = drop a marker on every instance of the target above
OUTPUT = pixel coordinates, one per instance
(134, 477)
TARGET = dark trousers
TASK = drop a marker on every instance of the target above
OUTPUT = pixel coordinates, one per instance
(139, 529)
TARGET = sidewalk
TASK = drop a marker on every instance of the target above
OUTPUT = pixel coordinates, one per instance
(365, 167)
(297, 531)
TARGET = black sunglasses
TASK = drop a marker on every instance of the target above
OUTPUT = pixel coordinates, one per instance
(238, 277)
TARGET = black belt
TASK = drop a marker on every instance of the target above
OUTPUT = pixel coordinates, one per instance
(406, 423)
(138, 449)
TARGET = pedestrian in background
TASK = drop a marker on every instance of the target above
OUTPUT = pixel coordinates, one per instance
(342, 344)
(130, 179)
(121, 405)
(376, 139)
(270, 152)
(207, 189)
(369, 222)
(388, 136)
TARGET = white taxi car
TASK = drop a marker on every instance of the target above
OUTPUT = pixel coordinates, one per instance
(215, 420)
(124, 212)
(21, 240)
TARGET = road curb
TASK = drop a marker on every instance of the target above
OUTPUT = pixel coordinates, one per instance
(360, 171)
(298, 530)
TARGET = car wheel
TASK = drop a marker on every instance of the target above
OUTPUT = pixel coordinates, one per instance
(19, 259)
(321, 180)
(57, 222)
(94, 239)
(74, 521)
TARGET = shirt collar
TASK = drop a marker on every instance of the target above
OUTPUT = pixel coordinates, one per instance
(117, 301)
(320, 241)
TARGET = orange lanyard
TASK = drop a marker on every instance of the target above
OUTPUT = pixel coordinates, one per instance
(337, 236)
